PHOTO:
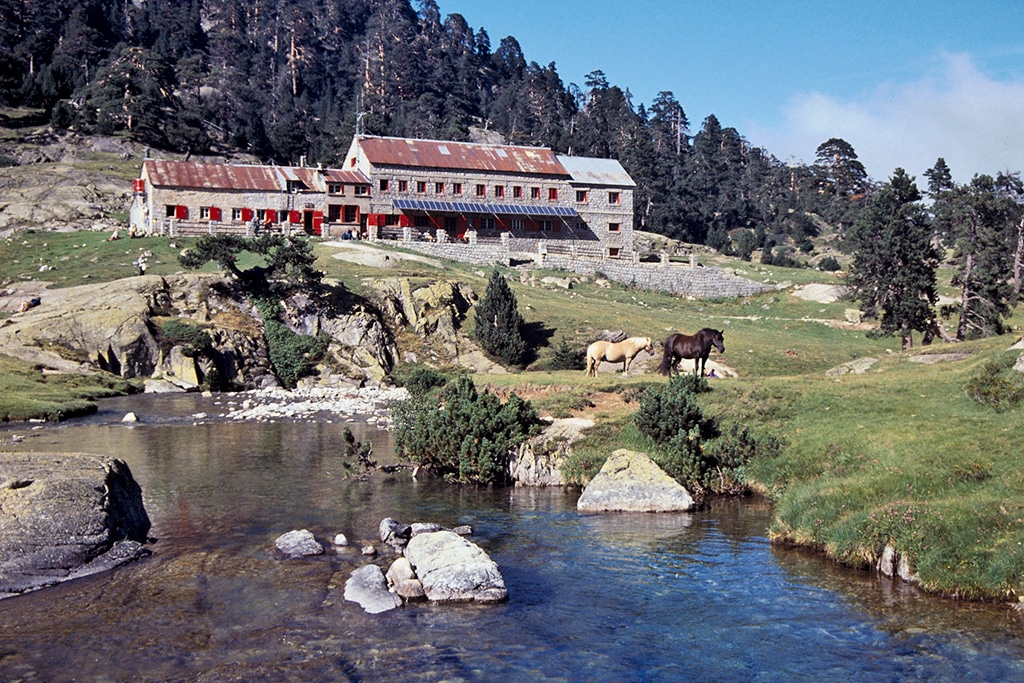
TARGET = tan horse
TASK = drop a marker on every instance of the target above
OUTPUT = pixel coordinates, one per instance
(614, 352)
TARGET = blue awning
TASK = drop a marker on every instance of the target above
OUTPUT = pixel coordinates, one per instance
(481, 207)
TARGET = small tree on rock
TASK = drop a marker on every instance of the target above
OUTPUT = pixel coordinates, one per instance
(499, 326)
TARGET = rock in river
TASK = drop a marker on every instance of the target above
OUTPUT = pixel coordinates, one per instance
(368, 587)
(453, 569)
(298, 543)
(632, 482)
(64, 515)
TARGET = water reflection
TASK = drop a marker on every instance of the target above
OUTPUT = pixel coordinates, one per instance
(593, 597)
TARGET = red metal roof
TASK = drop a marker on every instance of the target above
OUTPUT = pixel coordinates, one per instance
(241, 177)
(347, 177)
(211, 176)
(461, 156)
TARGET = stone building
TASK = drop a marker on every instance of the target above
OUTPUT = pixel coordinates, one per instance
(527, 199)
(189, 198)
(512, 198)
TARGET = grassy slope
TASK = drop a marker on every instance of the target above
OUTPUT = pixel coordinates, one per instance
(898, 455)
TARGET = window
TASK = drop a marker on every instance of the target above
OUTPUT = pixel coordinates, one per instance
(391, 219)
(613, 197)
(351, 214)
(421, 221)
(421, 186)
(169, 210)
(456, 188)
(481, 190)
(613, 252)
(362, 190)
(236, 214)
(613, 227)
(499, 191)
(517, 224)
(517, 192)
(403, 185)
(545, 226)
(296, 186)
(335, 188)
(438, 188)
(385, 184)
(534, 193)
(261, 215)
(204, 213)
(552, 194)
(581, 196)
(333, 213)
(487, 224)
(451, 223)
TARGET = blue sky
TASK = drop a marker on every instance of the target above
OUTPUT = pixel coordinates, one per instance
(904, 81)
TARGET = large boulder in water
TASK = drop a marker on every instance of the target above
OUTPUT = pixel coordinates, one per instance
(64, 515)
(632, 482)
(368, 587)
(453, 569)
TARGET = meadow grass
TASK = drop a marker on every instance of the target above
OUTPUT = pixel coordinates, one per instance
(26, 393)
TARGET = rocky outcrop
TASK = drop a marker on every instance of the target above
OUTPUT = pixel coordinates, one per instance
(117, 327)
(453, 569)
(435, 313)
(632, 482)
(538, 461)
(65, 515)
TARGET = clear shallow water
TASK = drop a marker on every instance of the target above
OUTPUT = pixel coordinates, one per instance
(593, 598)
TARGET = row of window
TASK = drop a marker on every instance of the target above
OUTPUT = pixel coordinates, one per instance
(339, 190)
(481, 190)
(335, 213)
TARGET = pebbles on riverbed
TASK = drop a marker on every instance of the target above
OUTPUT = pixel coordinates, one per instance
(369, 403)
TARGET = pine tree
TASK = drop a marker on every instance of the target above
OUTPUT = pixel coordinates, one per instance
(895, 262)
(499, 326)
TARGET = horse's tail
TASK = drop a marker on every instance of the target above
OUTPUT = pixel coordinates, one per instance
(666, 357)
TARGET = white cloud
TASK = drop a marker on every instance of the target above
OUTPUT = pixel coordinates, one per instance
(975, 123)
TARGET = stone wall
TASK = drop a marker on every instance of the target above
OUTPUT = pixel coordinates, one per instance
(679, 279)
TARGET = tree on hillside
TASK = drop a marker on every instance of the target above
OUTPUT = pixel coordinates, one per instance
(289, 261)
(499, 326)
(984, 221)
(894, 260)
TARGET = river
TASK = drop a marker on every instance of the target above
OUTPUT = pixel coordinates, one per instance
(672, 597)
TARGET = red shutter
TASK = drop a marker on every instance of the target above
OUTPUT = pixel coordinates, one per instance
(214, 213)
(294, 217)
(318, 222)
(404, 221)
(271, 216)
(139, 185)
(247, 215)
(181, 212)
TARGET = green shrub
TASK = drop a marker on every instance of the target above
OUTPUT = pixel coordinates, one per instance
(996, 385)
(419, 380)
(196, 340)
(499, 326)
(721, 467)
(568, 357)
(292, 355)
(7, 162)
(669, 409)
(829, 264)
(463, 435)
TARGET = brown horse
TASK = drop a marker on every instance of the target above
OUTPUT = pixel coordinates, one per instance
(614, 352)
(695, 346)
